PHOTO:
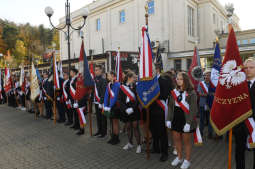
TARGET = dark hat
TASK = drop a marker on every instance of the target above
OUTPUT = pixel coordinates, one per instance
(74, 70)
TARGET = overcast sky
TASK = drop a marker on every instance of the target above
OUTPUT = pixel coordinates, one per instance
(32, 11)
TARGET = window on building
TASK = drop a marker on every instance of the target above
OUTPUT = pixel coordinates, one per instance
(245, 42)
(191, 21)
(122, 16)
(188, 63)
(98, 25)
(177, 64)
(238, 42)
(252, 40)
(151, 8)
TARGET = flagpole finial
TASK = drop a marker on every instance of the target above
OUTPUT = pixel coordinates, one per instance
(146, 13)
(196, 43)
(217, 39)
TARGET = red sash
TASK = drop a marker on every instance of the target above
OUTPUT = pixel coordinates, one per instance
(204, 87)
(128, 92)
(72, 90)
(96, 94)
(65, 95)
(110, 91)
(81, 116)
(183, 104)
(250, 124)
(164, 106)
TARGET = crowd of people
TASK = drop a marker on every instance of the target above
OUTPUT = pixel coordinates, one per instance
(118, 102)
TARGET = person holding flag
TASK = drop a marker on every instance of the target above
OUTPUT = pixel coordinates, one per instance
(232, 102)
(100, 87)
(203, 91)
(66, 99)
(47, 93)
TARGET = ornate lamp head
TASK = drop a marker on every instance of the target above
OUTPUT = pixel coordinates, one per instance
(230, 9)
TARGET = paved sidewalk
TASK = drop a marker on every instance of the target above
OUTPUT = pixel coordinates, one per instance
(26, 143)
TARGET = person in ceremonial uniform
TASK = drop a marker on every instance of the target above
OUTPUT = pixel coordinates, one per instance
(47, 93)
(182, 108)
(100, 86)
(73, 74)
(66, 99)
(60, 102)
(28, 94)
(129, 111)
(111, 106)
(240, 131)
(203, 91)
(158, 114)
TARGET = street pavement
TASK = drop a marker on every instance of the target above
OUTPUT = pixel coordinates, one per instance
(26, 143)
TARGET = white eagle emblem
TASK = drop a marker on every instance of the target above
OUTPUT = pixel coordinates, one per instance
(231, 74)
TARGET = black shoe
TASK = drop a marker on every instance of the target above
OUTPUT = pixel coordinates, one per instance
(101, 136)
(97, 134)
(72, 127)
(68, 124)
(163, 158)
(116, 140)
(111, 140)
(81, 132)
(155, 151)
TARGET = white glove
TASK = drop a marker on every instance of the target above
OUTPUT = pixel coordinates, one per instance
(75, 105)
(67, 102)
(129, 111)
(186, 128)
(168, 124)
(107, 109)
(100, 106)
(58, 98)
(45, 98)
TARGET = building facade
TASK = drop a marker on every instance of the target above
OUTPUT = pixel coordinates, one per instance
(174, 27)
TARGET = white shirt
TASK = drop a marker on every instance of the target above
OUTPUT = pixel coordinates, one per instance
(252, 81)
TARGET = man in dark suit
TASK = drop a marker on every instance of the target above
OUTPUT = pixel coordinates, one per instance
(157, 117)
(240, 131)
(66, 97)
(101, 84)
(47, 87)
(60, 102)
(73, 74)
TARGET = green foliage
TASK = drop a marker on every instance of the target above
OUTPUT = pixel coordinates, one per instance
(25, 42)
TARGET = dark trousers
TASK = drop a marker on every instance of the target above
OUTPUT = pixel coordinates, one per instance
(203, 117)
(22, 100)
(76, 118)
(101, 121)
(61, 111)
(69, 114)
(158, 130)
(240, 133)
(48, 107)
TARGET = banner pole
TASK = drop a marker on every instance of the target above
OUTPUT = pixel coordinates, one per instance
(230, 149)
(90, 118)
(147, 133)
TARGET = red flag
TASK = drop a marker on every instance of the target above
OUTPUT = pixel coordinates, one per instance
(118, 69)
(7, 80)
(231, 103)
(193, 67)
(81, 90)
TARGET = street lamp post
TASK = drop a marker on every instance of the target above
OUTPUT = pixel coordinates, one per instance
(84, 13)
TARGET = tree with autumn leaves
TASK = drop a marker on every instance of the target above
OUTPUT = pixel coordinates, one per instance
(25, 42)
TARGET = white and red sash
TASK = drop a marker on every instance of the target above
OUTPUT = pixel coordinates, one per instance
(204, 87)
(128, 92)
(183, 104)
(82, 118)
(65, 95)
(96, 94)
(110, 90)
(72, 90)
(197, 137)
(250, 124)
(163, 105)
